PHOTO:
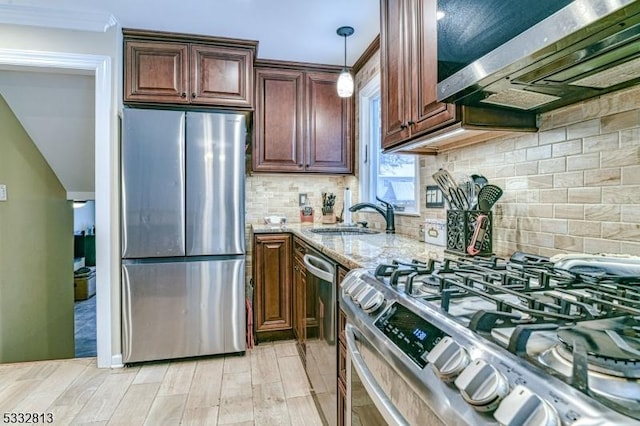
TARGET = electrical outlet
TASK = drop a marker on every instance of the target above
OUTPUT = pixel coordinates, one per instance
(302, 199)
(3, 192)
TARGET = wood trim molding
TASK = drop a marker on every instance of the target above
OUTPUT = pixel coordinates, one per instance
(106, 164)
(274, 63)
(131, 33)
(366, 55)
(82, 20)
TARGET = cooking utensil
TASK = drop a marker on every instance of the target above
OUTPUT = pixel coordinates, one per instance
(475, 245)
(478, 182)
(457, 198)
(443, 185)
(488, 196)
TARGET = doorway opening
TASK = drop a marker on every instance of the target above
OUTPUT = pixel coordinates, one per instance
(105, 180)
(84, 278)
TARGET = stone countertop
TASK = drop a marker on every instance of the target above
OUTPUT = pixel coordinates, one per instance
(360, 250)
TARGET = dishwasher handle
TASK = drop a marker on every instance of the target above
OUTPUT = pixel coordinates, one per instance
(319, 267)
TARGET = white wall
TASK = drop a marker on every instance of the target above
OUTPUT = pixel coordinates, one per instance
(89, 46)
(84, 218)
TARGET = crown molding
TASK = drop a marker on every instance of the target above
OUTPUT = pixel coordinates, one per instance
(81, 20)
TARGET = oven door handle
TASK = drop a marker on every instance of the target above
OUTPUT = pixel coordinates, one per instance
(375, 392)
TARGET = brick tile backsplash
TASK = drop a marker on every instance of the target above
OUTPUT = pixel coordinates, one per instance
(602, 212)
(562, 149)
(630, 138)
(583, 162)
(585, 195)
(620, 121)
(583, 129)
(603, 177)
(568, 211)
(601, 143)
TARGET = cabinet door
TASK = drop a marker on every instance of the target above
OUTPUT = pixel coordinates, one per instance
(278, 121)
(427, 114)
(221, 76)
(156, 72)
(329, 142)
(272, 275)
(394, 51)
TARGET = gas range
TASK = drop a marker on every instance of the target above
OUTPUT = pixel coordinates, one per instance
(496, 341)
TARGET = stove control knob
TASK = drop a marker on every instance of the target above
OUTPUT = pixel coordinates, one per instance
(448, 359)
(369, 299)
(482, 385)
(523, 407)
(356, 289)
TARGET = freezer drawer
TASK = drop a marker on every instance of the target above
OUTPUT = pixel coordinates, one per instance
(153, 182)
(182, 309)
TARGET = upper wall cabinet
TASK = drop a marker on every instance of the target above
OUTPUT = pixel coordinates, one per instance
(184, 69)
(409, 71)
(301, 124)
(413, 121)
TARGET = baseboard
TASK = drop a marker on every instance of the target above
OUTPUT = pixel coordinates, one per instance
(116, 361)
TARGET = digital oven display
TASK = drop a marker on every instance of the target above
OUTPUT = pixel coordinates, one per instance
(413, 335)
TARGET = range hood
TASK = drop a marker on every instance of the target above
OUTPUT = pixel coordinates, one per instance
(585, 49)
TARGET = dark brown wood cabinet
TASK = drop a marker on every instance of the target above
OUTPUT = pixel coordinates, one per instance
(184, 69)
(301, 124)
(409, 72)
(272, 286)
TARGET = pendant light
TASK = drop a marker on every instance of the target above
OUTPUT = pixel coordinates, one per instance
(345, 80)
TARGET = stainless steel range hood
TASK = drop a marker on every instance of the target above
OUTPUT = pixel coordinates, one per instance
(586, 49)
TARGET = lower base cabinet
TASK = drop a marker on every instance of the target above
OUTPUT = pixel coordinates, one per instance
(272, 286)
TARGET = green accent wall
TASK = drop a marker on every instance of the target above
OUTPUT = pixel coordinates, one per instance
(36, 252)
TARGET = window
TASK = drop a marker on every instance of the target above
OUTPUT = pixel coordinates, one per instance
(391, 177)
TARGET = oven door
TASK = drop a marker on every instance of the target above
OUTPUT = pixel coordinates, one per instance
(376, 394)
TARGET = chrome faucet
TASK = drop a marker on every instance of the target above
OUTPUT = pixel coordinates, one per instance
(387, 213)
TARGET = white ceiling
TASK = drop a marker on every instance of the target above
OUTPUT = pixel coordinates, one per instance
(56, 109)
(295, 30)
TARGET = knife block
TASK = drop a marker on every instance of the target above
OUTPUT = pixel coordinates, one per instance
(461, 225)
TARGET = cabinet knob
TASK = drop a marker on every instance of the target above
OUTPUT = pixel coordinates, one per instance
(307, 166)
(300, 165)
(403, 126)
(183, 95)
(193, 95)
(411, 123)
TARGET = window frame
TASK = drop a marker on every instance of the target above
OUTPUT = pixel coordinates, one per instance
(368, 163)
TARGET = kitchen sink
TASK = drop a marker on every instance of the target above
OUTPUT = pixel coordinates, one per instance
(343, 231)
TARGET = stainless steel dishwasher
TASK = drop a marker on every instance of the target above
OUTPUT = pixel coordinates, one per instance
(321, 352)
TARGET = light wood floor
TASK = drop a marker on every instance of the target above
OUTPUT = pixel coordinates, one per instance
(268, 386)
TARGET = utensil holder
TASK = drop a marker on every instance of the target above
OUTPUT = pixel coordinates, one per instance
(460, 227)
(329, 218)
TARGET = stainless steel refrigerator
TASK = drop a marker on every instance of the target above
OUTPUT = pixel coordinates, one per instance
(183, 234)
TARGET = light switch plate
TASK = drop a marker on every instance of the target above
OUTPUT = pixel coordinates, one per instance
(3, 192)
(302, 199)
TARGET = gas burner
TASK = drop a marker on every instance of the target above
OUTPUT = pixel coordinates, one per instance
(612, 345)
